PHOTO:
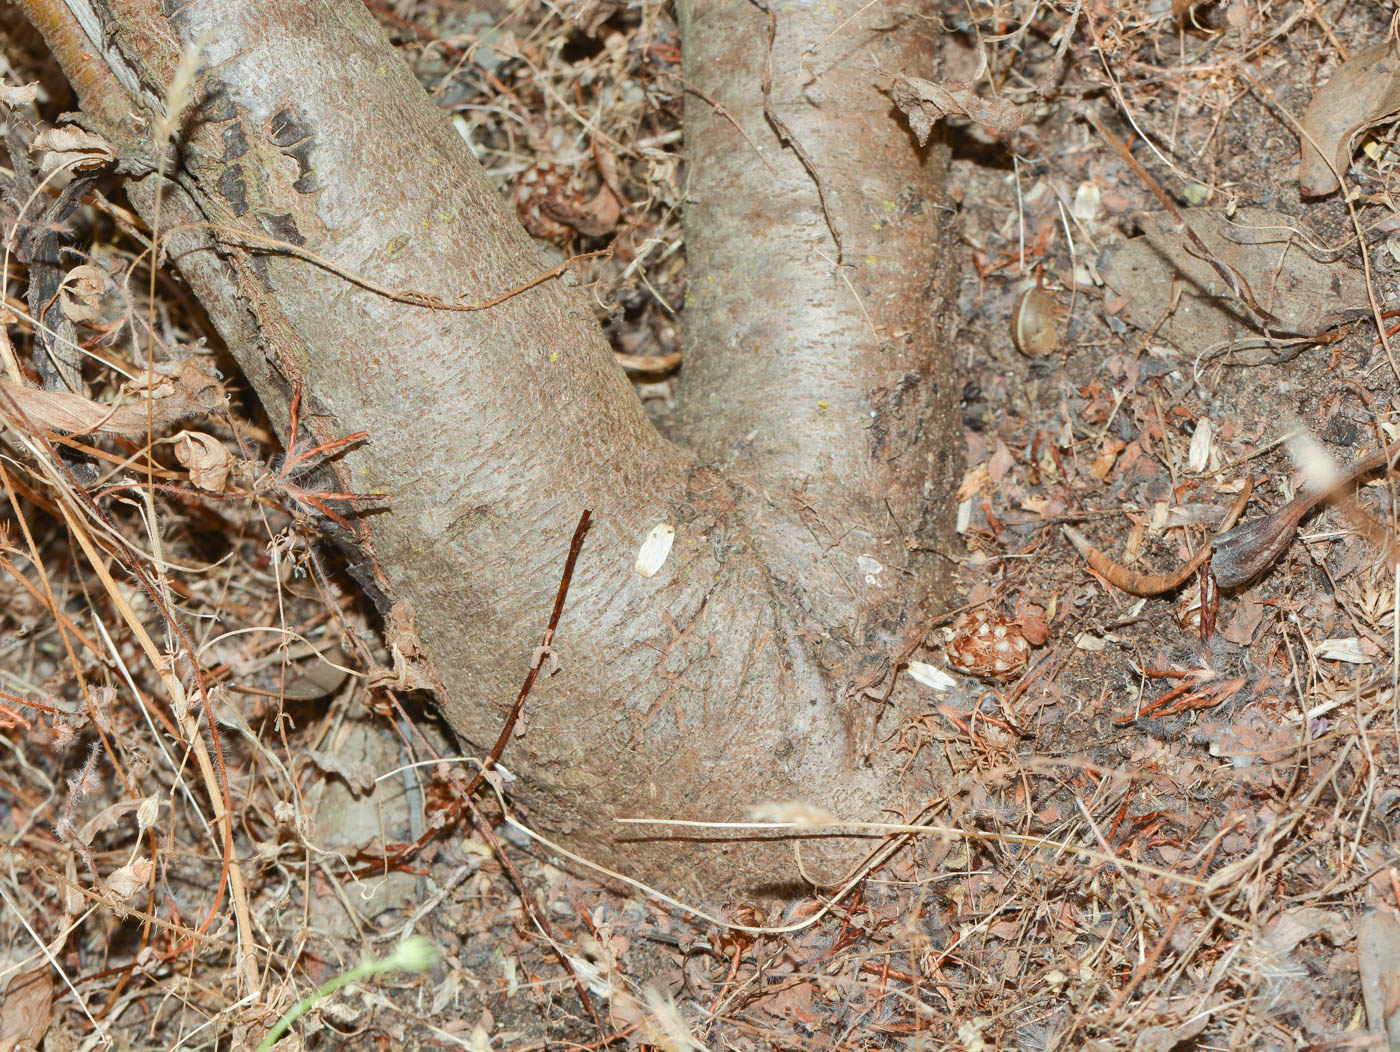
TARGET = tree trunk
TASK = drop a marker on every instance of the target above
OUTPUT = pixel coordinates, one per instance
(816, 398)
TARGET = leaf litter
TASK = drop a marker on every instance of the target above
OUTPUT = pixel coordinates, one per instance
(1150, 831)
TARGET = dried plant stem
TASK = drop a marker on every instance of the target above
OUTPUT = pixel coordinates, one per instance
(1135, 583)
(215, 786)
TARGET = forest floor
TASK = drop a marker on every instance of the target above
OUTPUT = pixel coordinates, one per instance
(1174, 825)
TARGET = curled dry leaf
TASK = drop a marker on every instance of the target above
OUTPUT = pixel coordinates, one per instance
(11, 95)
(131, 878)
(1363, 92)
(206, 458)
(193, 392)
(81, 292)
(988, 645)
(926, 103)
(1245, 552)
(1031, 619)
(69, 146)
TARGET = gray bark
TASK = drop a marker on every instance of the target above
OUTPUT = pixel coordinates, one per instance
(732, 676)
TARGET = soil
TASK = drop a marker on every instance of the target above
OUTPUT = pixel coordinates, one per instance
(1154, 836)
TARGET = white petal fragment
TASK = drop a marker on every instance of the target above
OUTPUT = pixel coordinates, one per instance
(655, 549)
(1198, 458)
(931, 676)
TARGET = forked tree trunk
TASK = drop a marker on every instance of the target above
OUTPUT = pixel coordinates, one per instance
(816, 398)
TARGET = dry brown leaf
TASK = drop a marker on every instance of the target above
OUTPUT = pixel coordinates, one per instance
(192, 393)
(26, 1011)
(81, 292)
(356, 774)
(1173, 292)
(1363, 92)
(926, 103)
(589, 15)
(1033, 625)
(72, 147)
(1166, 1038)
(131, 878)
(21, 96)
(1248, 617)
(107, 818)
(592, 218)
(1378, 955)
(206, 458)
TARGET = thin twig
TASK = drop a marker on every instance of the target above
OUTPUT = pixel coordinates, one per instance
(785, 134)
(575, 546)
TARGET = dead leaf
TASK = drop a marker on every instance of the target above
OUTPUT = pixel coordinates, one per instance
(1363, 92)
(81, 292)
(1347, 649)
(1283, 933)
(1033, 626)
(1246, 621)
(926, 103)
(1378, 955)
(206, 458)
(589, 15)
(592, 218)
(26, 1011)
(1103, 463)
(1305, 293)
(356, 774)
(1166, 1038)
(69, 146)
(192, 393)
(19, 96)
(108, 818)
(1001, 463)
(130, 879)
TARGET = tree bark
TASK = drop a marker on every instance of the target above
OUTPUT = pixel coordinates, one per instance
(816, 398)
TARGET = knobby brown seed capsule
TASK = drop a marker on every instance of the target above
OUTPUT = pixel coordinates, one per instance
(988, 645)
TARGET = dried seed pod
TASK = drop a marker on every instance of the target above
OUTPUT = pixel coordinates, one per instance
(536, 191)
(988, 645)
(1033, 324)
(553, 201)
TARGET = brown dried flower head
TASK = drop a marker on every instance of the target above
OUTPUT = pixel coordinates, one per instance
(553, 202)
(988, 645)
